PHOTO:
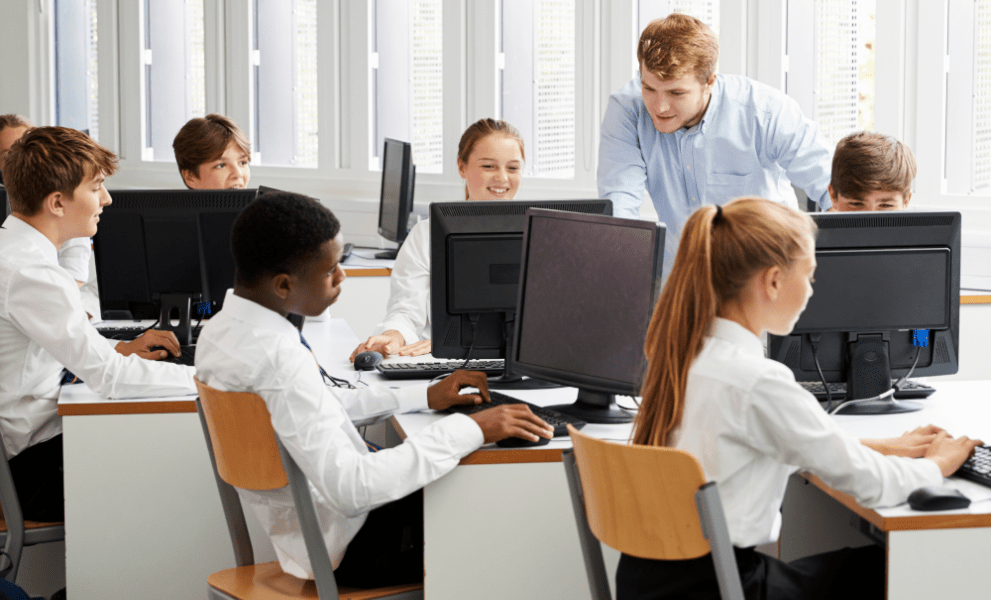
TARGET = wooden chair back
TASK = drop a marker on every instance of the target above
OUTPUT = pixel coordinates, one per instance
(640, 500)
(243, 440)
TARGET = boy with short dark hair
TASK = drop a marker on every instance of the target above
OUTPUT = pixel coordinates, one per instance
(871, 171)
(287, 251)
(212, 153)
(55, 179)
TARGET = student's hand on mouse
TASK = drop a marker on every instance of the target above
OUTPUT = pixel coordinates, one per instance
(445, 393)
(912, 444)
(418, 349)
(143, 344)
(949, 452)
(511, 420)
(386, 343)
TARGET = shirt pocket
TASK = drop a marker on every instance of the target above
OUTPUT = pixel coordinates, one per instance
(720, 188)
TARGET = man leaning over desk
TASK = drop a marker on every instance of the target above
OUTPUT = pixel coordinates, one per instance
(691, 137)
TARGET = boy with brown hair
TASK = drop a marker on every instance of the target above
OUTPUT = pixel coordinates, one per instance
(690, 137)
(213, 154)
(55, 179)
(871, 171)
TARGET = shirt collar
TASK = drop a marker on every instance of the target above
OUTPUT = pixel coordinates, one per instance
(19, 227)
(715, 101)
(734, 333)
(250, 311)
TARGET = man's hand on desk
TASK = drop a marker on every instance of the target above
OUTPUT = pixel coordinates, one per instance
(143, 344)
(949, 452)
(392, 342)
(912, 444)
(446, 393)
(511, 420)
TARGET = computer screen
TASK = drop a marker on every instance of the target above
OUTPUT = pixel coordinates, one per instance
(583, 308)
(886, 296)
(475, 251)
(396, 200)
(4, 201)
(154, 242)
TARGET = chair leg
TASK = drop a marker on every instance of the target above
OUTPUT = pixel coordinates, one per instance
(595, 567)
(713, 521)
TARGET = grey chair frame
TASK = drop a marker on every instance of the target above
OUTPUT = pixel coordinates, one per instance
(711, 516)
(323, 570)
(17, 536)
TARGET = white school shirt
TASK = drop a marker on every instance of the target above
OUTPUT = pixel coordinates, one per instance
(249, 348)
(76, 257)
(408, 311)
(751, 426)
(43, 328)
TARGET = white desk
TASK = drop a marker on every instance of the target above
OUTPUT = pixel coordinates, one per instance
(143, 518)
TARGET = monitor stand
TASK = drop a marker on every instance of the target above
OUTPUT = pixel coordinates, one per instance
(179, 308)
(869, 376)
(595, 407)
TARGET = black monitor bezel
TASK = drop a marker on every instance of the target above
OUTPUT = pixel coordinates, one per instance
(580, 380)
(884, 229)
(482, 218)
(397, 231)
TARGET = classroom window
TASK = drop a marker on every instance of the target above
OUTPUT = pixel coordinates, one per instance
(407, 80)
(830, 46)
(76, 72)
(284, 72)
(537, 78)
(968, 98)
(174, 73)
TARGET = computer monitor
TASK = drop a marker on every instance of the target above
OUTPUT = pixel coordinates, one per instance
(475, 252)
(5, 201)
(151, 243)
(584, 306)
(396, 200)
(886, 298)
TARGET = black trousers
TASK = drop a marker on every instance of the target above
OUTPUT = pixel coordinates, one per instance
(38, 476)
(848, 574)
(388, 549)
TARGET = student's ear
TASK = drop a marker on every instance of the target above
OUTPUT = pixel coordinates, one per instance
(832, 193)
(711, 82)
(462, 168)
(189, 178)
(54, 204)
(282, 285)
(771, 281)
(908, 198)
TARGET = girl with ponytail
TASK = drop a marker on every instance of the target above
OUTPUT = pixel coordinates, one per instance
(490, 160)
(744, 269)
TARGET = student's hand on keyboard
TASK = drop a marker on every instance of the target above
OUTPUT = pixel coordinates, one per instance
(511, 420)
(418, 349)
(143, 344)
(446, 392)
(912, 444)
(949, 452)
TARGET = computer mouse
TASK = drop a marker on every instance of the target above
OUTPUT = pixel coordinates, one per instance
(515, 442)
(366, 361)
(937, 497)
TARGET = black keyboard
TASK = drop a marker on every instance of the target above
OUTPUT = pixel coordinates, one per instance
(429, 370)
(558, 421)
(978, 467)
(120, 332)
(185, 357)
(911, 390)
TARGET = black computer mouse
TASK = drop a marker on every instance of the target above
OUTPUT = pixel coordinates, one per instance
(515, 442)
(366, 361)
(937, 497)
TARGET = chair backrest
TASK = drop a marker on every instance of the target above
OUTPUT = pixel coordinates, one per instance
(244, 445)
(640, 500)
(246, 453)
(14, 540)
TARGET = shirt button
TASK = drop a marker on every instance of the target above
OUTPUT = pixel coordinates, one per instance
(694, 199)
(689, 167)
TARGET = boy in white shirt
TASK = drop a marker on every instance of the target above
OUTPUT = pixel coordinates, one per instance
(287, 249)
(54, 178)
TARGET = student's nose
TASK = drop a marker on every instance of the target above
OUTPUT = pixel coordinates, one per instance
(105, 199)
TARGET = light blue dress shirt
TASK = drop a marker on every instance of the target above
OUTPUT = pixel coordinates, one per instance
(752, 141)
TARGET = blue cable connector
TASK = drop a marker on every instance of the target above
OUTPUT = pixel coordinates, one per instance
(920, 338)
(203, 309)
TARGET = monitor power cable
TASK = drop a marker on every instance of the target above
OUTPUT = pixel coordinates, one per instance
(473, 320)
(814, 339)
(889, 395)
